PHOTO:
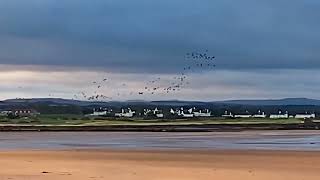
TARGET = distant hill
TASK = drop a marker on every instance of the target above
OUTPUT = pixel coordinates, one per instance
(268, 102)
(48, 101)
(274, 102)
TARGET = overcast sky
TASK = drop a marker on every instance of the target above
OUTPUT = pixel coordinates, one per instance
(263, 49)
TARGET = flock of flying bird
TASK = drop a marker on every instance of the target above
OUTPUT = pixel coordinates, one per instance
(194, 62)
(95, 95)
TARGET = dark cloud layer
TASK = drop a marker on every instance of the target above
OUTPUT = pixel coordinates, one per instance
(153, 36)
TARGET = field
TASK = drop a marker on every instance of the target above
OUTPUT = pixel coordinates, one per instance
(67, 119)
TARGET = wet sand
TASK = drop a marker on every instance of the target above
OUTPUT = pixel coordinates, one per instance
(245, 140)
(159, 165)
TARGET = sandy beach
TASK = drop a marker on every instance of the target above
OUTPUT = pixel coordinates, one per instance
(159, 165)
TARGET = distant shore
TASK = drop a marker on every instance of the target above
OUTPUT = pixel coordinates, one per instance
(156, 165)
(161, 128)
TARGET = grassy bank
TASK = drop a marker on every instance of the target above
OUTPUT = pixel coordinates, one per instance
(67, 119)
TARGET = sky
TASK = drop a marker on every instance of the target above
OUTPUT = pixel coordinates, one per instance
(263, 49)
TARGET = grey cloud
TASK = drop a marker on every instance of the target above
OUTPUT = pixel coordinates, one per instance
(153, 36)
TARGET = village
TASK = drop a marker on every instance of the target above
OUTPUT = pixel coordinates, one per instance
(194, 113)
(171, 113)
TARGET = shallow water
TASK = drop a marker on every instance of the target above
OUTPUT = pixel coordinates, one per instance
(273, 140)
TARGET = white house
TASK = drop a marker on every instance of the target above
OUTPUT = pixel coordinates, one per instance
(305, 116)
(181, 112)
(246, 115)
(100, 112)
(156, 112)
(186, 115)
(25, 112)
(129, 113)
(146, 112)
(279, 116)
(260, 115)
(159, 115)
(227, 115)
(200, 113)
(242, 116)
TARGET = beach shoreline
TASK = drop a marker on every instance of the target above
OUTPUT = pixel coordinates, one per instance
(159, 164)
(161, 128)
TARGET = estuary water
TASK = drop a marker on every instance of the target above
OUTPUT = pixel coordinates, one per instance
(251, 140)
